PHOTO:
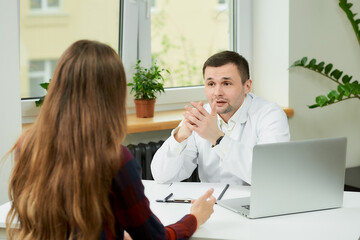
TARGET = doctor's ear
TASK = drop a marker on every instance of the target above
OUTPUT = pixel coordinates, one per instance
(247, 86)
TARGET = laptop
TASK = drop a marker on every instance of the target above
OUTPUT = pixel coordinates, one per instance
(294, 177)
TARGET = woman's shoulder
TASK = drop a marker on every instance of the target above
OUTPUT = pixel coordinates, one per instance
(126, 155)
(128, 175)
(129, 165)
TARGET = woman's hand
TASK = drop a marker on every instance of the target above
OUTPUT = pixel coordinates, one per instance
(203, 207)
(127, 236)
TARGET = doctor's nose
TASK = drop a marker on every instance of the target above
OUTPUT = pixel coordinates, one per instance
(218, 91)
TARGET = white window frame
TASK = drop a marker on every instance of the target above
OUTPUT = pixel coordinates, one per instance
(154, 9)
(134, 47)
(46, 74)
(221, 6)
(45, 8)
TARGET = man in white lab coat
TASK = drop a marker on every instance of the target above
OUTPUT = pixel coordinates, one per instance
(219, 137)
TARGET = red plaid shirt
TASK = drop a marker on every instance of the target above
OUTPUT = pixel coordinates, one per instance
(132, 210)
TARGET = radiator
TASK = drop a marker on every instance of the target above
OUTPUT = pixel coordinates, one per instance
(144, 152)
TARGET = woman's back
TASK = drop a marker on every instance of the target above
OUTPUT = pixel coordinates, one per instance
(66, 162)
(72, 179)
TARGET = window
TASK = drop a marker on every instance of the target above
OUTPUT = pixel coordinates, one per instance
(44, 37)
(222, 5)
(44, 5)
(180, 34)
(183, 37)
(153, 5)
(40, 71)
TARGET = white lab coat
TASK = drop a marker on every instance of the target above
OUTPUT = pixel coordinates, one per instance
(257, 121)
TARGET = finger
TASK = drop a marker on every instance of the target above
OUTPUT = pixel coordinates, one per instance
(207, 194)
(201, 103)
(188, 108)
(194, 112)
(213, 108)
(196, 118)
(192, 119)
(200, 108)
(190, 126)
(212, 199)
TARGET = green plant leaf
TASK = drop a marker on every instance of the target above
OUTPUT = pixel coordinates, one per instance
(320, 66)
(346, 78)
(313, 106)
(304, 60)
(333, 94)
(147, 81)
(345, 89)
(345, 6)
(336, 74)
(321, 100)
(348, 89)
(39, 102)
(296, 64)
(356, 88)
(340, 97)
(328, 68)
(44, 85)
(312, 64)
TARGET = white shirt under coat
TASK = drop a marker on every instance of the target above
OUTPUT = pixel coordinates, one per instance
(257, 121)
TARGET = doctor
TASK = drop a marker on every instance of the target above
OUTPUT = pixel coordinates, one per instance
(219, 137)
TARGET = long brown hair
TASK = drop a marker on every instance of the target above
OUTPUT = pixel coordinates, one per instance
(65, 163)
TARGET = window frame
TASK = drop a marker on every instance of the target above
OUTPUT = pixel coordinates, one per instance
(46, 73)
(131, 47)
(45, 7)
(221, 6)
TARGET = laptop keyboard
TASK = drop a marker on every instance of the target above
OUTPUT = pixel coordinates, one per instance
(247, 207)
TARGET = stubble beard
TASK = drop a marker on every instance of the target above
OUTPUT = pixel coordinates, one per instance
(228, 109)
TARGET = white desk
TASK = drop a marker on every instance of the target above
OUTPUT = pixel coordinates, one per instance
(335, 224)
(342, 223)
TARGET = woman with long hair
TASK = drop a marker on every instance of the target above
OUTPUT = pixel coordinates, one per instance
(72, 178)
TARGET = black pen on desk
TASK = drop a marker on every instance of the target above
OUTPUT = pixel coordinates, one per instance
(223, 191)
(167, 198)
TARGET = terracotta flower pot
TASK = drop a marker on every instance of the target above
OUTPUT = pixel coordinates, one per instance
(144, 108)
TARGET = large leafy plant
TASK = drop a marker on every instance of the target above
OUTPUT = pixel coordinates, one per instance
(347, 88)
(147, 81)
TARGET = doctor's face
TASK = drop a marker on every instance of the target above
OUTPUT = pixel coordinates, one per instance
(223, 86)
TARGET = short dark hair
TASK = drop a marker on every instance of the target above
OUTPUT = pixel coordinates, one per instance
(225, 57)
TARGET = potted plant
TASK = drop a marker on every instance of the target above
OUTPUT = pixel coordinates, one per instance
(146, 83)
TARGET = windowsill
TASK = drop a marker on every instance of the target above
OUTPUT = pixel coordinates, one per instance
(47, 18)
(161, 121)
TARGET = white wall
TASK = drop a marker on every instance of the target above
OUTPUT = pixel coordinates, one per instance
(320, 29)
(271, 50)
(10, 120)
